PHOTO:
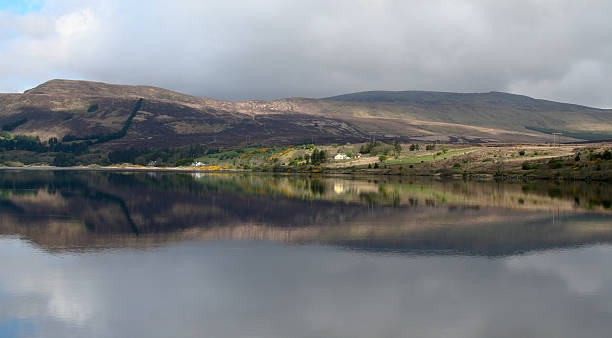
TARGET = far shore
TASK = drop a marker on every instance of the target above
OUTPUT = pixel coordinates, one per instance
(119, 168)
(321, 172)
(515, 162)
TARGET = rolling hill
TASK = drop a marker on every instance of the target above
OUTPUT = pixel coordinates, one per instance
(114, 116)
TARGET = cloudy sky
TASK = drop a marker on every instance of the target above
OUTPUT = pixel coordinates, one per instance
(231, 49)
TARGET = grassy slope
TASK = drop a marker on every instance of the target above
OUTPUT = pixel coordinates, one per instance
(500, 111)
(429, 157)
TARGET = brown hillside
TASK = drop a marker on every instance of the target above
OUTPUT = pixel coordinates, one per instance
(166, 118)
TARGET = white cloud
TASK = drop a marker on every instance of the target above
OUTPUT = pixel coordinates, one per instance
(79, 22)
(234, 49)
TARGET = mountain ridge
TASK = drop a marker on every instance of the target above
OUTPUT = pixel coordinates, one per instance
(411, 97)
(62, 107)
(66, 84)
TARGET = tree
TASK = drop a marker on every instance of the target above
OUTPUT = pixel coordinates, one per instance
(318, 157)
(368, 147)
(323, 156)
(397, 147)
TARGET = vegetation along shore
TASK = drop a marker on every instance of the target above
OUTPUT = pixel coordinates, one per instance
(82, 124)
(510, 161)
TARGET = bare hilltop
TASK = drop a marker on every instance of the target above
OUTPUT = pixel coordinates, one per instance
(154, 117)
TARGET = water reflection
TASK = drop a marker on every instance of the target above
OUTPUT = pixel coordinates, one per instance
(262, 289)
(91, 210)
(99, 254)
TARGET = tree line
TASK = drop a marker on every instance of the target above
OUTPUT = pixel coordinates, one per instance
(66, 145)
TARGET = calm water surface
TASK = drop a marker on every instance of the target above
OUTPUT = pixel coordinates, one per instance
(100, 254)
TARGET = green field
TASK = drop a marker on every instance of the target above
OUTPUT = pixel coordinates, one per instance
(429, 157)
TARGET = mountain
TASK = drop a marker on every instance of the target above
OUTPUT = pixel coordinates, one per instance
(116, 117)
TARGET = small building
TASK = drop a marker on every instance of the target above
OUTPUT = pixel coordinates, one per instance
(198, 164)
(341, 156)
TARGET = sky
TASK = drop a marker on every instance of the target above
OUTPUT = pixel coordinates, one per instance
(553, 49)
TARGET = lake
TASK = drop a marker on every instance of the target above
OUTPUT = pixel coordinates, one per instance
(152, 254)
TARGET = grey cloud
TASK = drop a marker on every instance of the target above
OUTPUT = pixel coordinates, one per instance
(238, 289)
(233, 49)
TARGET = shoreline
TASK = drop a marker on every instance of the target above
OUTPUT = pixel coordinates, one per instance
(473, 176)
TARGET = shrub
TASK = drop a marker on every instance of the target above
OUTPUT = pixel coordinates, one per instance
(124, 156)
(606, 155)
(183, 162)
(529, 166)
(64, 160)
(367, 148)
(92, 108)
(555, 163)
(397, 147)
(521, 152)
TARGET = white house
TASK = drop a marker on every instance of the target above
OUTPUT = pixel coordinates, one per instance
(341, 156)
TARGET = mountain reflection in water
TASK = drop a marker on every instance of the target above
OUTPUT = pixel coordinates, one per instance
(76, 211)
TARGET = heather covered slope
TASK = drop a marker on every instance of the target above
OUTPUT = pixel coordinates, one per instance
(501, 115)
(82, 109)
(91, 110)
